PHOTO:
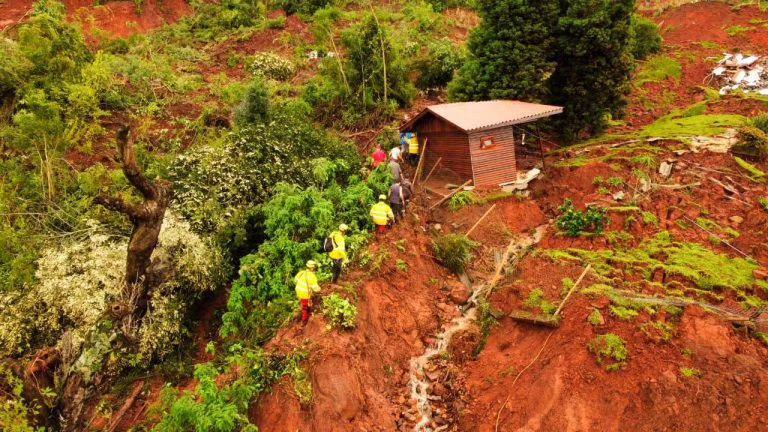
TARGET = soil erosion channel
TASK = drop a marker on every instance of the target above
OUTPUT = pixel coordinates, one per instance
(419, 381)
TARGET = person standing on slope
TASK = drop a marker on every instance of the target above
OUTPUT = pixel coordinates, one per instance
(338, 253)
(382, 215)
(379, 156)
(397, 200)
(397, 171)
(306, 285)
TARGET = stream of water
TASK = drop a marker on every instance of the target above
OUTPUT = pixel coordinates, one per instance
(419, 382)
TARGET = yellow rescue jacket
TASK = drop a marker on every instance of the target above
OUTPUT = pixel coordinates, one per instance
(381, 213)
(413, 145)
(305, 281)
(339, 251)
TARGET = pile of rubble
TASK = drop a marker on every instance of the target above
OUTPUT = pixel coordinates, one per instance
(740, 72)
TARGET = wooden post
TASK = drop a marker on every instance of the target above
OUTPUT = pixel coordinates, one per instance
(447, 197)
(481, 219)
(421, 161)
(433, 170)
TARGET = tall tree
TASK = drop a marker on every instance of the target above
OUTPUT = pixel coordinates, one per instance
(147, 219)
(594, 64)
(510, 52)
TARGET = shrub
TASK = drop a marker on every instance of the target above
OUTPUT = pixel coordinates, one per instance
(609, 349)
(79, 279)
(462, 199)
(437, 65)
(644, 37)
(574, 222)
(454, 251)
(760, 121)
(304, 7)
(441, 5)
(270, 65)
(596, 318)
(753, 142)
(255, 106)
(339, 311)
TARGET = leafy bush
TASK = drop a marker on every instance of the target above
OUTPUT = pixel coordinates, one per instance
(241, 169)
(270, 65)
(462, 199)
(645, 38)
(454, 251)
(79, 279)
(574, 222)
(760, 121)
(211, 21)
(368, 86)
(437, 65)
(339, 311)
(304, 7)
(255, 106)
(753, 142)
(214, 407)
(610, 349)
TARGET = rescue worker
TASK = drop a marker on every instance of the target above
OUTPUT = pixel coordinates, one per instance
(395, 154)
(306, 285)
(413, 151)
(339, 253)
(397, 171)
(379, 156)
(407, 192)
(397, 200)
(382, 215)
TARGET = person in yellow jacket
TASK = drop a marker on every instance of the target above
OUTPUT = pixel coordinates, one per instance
(339, 253)
(413, 150)
(382, 215)
(306, 285)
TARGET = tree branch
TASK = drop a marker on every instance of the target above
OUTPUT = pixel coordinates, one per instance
(119, 205)
(131, 168)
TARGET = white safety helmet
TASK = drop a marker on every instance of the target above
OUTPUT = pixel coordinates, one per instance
(382, 197)
(343, 227)
(311, 264)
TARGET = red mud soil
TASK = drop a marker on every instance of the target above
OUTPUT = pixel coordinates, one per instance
(358, 377)
(115, 18)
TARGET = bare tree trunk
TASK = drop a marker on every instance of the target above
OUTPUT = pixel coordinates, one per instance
(147, 219)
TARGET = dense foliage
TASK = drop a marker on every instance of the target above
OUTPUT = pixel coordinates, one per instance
(574, 222)
(340, 311)
(645, 38)
(372, 78)
(510, 52)
(594, 64)
(297, 221)
(454, 251)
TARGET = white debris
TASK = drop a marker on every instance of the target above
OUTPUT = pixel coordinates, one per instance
(717, 144)
(665, 169)
(522, 181)
(738, 72)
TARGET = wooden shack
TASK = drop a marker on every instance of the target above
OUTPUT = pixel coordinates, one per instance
(476, 140)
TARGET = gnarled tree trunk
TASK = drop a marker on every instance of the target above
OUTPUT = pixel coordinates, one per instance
(147, 219)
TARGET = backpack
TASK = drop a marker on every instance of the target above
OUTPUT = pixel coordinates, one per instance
(328, 244)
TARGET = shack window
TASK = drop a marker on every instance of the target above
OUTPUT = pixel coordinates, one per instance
(487, 142)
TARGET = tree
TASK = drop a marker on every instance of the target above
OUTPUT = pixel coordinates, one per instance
(593, 64)
(255, 106)
(147, 219)
(510, 52)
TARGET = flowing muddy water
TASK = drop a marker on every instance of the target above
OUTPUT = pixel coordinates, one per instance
(419, 382)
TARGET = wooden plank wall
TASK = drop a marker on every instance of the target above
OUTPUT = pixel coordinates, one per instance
(446, 141)
(497, 164)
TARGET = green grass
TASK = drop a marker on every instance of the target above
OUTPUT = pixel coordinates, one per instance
(696, 125)
(596, 318)
(536, 300)
(658, 69)
(754, 172)
(687, 372)
(609, 350)
(737, 30)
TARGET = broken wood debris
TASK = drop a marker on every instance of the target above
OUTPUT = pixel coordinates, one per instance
(739, 72)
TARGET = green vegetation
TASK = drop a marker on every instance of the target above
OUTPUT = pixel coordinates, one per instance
(454, 251)
(687, 372)
(658, 331)
(623, 313)
(536, 300)
(339, 311)
(658, 69)
(764, 202)
(575, 223)
(737, 30)
(487, 320)
(673, 126)
(754, 173)
(462, 199)
(596, 318)
(609, 350)
(645, 38)
(705, 269)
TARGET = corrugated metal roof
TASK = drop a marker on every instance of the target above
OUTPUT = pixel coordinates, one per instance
(475, 116)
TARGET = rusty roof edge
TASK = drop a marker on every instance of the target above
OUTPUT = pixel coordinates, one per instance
(526, 119)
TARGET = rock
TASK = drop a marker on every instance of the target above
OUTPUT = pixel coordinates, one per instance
(760, 274)
(665, 169)
(619, 196)
(439, 390)
(437, 227)
(459, 295)
(402, 400)
(736, 220)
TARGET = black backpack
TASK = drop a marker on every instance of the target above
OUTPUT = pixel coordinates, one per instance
(328, 244)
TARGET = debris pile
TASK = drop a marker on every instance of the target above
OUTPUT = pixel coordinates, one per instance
(740, 72)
